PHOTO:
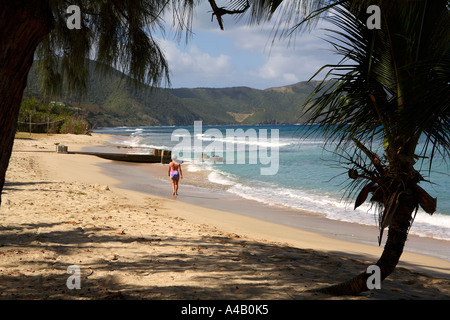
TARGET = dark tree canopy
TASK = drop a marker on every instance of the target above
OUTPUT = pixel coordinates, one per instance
(114, 33)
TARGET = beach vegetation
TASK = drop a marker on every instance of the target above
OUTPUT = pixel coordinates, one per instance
(52, 117)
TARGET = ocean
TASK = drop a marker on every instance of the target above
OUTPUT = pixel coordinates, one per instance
(277, 165)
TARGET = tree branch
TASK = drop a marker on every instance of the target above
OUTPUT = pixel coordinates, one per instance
(219, 12)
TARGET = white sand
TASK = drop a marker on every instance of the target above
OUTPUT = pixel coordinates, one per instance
(60, 210)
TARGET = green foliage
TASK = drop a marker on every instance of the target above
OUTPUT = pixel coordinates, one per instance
(74, 125)
(53, 117)
(392, 84)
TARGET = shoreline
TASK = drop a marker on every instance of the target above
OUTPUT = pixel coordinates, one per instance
(169, 249)
(129, 177)
(155, 174)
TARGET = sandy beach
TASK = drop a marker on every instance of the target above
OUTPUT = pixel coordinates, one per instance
(60, 210)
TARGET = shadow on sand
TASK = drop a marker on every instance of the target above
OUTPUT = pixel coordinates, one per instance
(213, 267)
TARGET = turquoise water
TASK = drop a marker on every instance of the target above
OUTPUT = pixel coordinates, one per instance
(276, 165)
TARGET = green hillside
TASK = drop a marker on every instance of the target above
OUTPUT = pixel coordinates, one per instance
(111, 101)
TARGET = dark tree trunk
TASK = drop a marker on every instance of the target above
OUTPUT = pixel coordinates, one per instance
(23, 25)
(393, 249)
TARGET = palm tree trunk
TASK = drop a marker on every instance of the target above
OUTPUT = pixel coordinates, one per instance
(393, 249)
(23, 25)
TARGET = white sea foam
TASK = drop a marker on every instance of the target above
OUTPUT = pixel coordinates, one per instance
(138, 130)
(181, 135)
(256, 141)
(436, 226)
(219, 178)
(130, 141)
(153, 146)
(137, 141)
(191, 167)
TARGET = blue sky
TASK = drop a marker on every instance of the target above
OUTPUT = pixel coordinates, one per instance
(242, 55)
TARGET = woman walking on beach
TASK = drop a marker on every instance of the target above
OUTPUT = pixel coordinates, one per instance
(175, 174)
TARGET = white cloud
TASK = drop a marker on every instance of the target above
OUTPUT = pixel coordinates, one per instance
(194, 67)
(290, 65)
(284, 61)
(243, 55)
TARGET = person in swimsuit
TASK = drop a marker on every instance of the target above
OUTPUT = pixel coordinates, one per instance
(175, 174)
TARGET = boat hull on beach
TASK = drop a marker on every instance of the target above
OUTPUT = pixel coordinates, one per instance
(131, 157)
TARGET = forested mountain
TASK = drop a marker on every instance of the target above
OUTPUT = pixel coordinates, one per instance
(111, 101)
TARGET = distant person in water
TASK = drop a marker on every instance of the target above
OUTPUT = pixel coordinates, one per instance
(175, 174)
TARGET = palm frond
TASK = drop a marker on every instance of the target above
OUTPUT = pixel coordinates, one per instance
(378, 90)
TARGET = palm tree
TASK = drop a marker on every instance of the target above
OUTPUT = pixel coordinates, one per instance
(393, 91)
(114, 33)
(390, 89)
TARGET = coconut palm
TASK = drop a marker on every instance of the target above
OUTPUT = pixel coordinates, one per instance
(390, 90)
(393, 91)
